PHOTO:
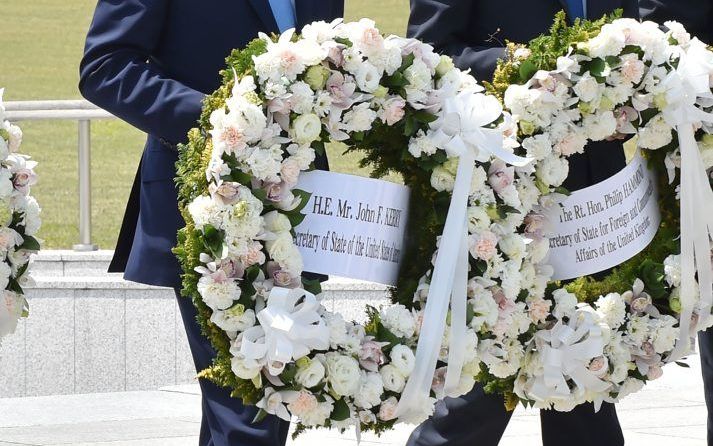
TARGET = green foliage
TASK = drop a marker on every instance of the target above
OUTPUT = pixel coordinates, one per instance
(545, 49)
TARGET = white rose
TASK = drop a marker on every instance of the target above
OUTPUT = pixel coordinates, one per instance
(280, 248)
(442, 179)
(310, 372)
(277, 222)
(394, 381)
(403, 359)
(343, 374)
(244, 368)
(306, 128)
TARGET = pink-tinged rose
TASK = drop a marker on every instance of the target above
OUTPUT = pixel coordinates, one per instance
(336, 56)
(641, 303)
(483, 245)
(23, 180)
(393, 111)
(290, 172)
(276, 192)
(233, 269)
(500, 176)
(340, 90)
(655, 372)
(599, 366)
(254, 255)
(370, 354)
(278, 105)
(625, 116)
(372, 39)
(539, 309)
(282, 278)
(387, 410)
(233, 138)
(227, 192)
(535, 224)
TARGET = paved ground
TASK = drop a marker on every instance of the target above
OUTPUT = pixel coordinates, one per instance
(669, 412)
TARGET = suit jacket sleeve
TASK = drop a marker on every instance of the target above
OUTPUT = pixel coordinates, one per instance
(695, 15)
(117, 72)
(442, 23)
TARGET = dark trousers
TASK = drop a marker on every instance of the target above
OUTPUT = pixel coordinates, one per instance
(705, 346)
(226, 422)
(479, 419)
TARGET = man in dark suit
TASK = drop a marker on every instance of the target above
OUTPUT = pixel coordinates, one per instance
(151, 63)
(697, 17)
(474, 32)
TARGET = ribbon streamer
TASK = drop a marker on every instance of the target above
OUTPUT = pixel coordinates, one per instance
(290, 328)
(461, 132)
(688, 90)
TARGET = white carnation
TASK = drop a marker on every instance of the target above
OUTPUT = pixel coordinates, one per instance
(371, 387)
(399, 321)
(612, 309)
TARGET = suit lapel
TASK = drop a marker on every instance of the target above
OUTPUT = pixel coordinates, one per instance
(263, 10)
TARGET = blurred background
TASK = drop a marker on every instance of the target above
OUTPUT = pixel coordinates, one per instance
(41, 46)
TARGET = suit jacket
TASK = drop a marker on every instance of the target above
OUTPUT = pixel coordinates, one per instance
(474, 32)
(695, 15)
(151, 63)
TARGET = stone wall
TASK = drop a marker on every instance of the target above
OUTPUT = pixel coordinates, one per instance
(90, 331)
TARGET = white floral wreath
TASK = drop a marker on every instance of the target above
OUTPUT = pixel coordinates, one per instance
(280, 349)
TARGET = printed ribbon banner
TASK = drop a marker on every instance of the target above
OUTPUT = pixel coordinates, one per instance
(354, 227)
(604, 225)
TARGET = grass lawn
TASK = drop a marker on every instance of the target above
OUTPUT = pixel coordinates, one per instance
(42, 43)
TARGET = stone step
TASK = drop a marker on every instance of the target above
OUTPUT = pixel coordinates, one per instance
(59, 263)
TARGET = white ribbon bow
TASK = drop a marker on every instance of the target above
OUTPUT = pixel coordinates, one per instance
(567, 350)
(688, 91)
(290, 328)
(460, 132)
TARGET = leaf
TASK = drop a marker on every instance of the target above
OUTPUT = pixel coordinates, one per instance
(30, 244)
(527, 70)
(683, 364)
(341, 411)
(313, 286)
(304, 199)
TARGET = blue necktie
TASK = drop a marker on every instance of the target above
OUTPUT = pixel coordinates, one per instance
(576, 9)
(284, 12)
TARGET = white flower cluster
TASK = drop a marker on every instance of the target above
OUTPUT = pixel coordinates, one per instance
(19, 223)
